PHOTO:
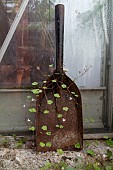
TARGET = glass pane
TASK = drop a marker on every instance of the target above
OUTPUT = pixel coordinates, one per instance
(85, 41)
(32, 48)
(8, 10)
(30, 55)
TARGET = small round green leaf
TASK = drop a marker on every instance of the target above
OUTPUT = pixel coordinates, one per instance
(44, 81)
(106, 137)
(90, 152)
(49, 102)
(76, 95)
(54, 81)
(65, 109)
(56, 95)
(92, 120)
(44, 127)
(77, 145)
(48, 133)
(57, 126)
(61, 126)
(109, 153)
(60, 151)
(48, 144)
(32, 110)
(51, 65)
(36, 91)
(73, 92)
(46, 111)
(63, 86)
(42, 144)
(44, 87)
(59, 115)
(34, 83)
(108, 167)
(32, 128)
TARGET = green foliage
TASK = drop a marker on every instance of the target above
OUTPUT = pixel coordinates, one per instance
(44, 127)
(77, 145)
(14, 136)
(44, 87)
(47, 166)
(32, 110)
(69, 168)
(55, 166)
(60, 126)
(46, 111)
(5, 142)
(90, 152)
(57, 126)
(72, 92)
(44, 81)
(56, 95)
(57, 73)
(109, 142)
(34, 83)
(48, 144)
(32, 128)
(88, 143)
(108, 167)
(48, 133)
(42, 144)
(19, 143)
(51, 65)
(54, 81)
(109, 154)
(92, 166)
(96, 166)
(49, 102)
(60, 151)
(106, 137)
(62, 165)
(36, 91)
(76, 95)
(65, 109)
(92, 120)
(59, 115)
(63, 86)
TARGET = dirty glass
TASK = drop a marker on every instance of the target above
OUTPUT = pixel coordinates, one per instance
(86, 36)
(30, 54)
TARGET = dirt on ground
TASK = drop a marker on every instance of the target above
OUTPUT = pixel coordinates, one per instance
(19, 153)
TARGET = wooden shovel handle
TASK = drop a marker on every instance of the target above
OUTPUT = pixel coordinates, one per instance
(59, 30)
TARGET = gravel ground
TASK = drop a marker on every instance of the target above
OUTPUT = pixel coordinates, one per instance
(17, 154)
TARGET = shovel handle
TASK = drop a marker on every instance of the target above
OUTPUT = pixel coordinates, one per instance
(59, 30)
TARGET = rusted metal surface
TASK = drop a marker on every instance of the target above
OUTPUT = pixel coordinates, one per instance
(59, 122)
